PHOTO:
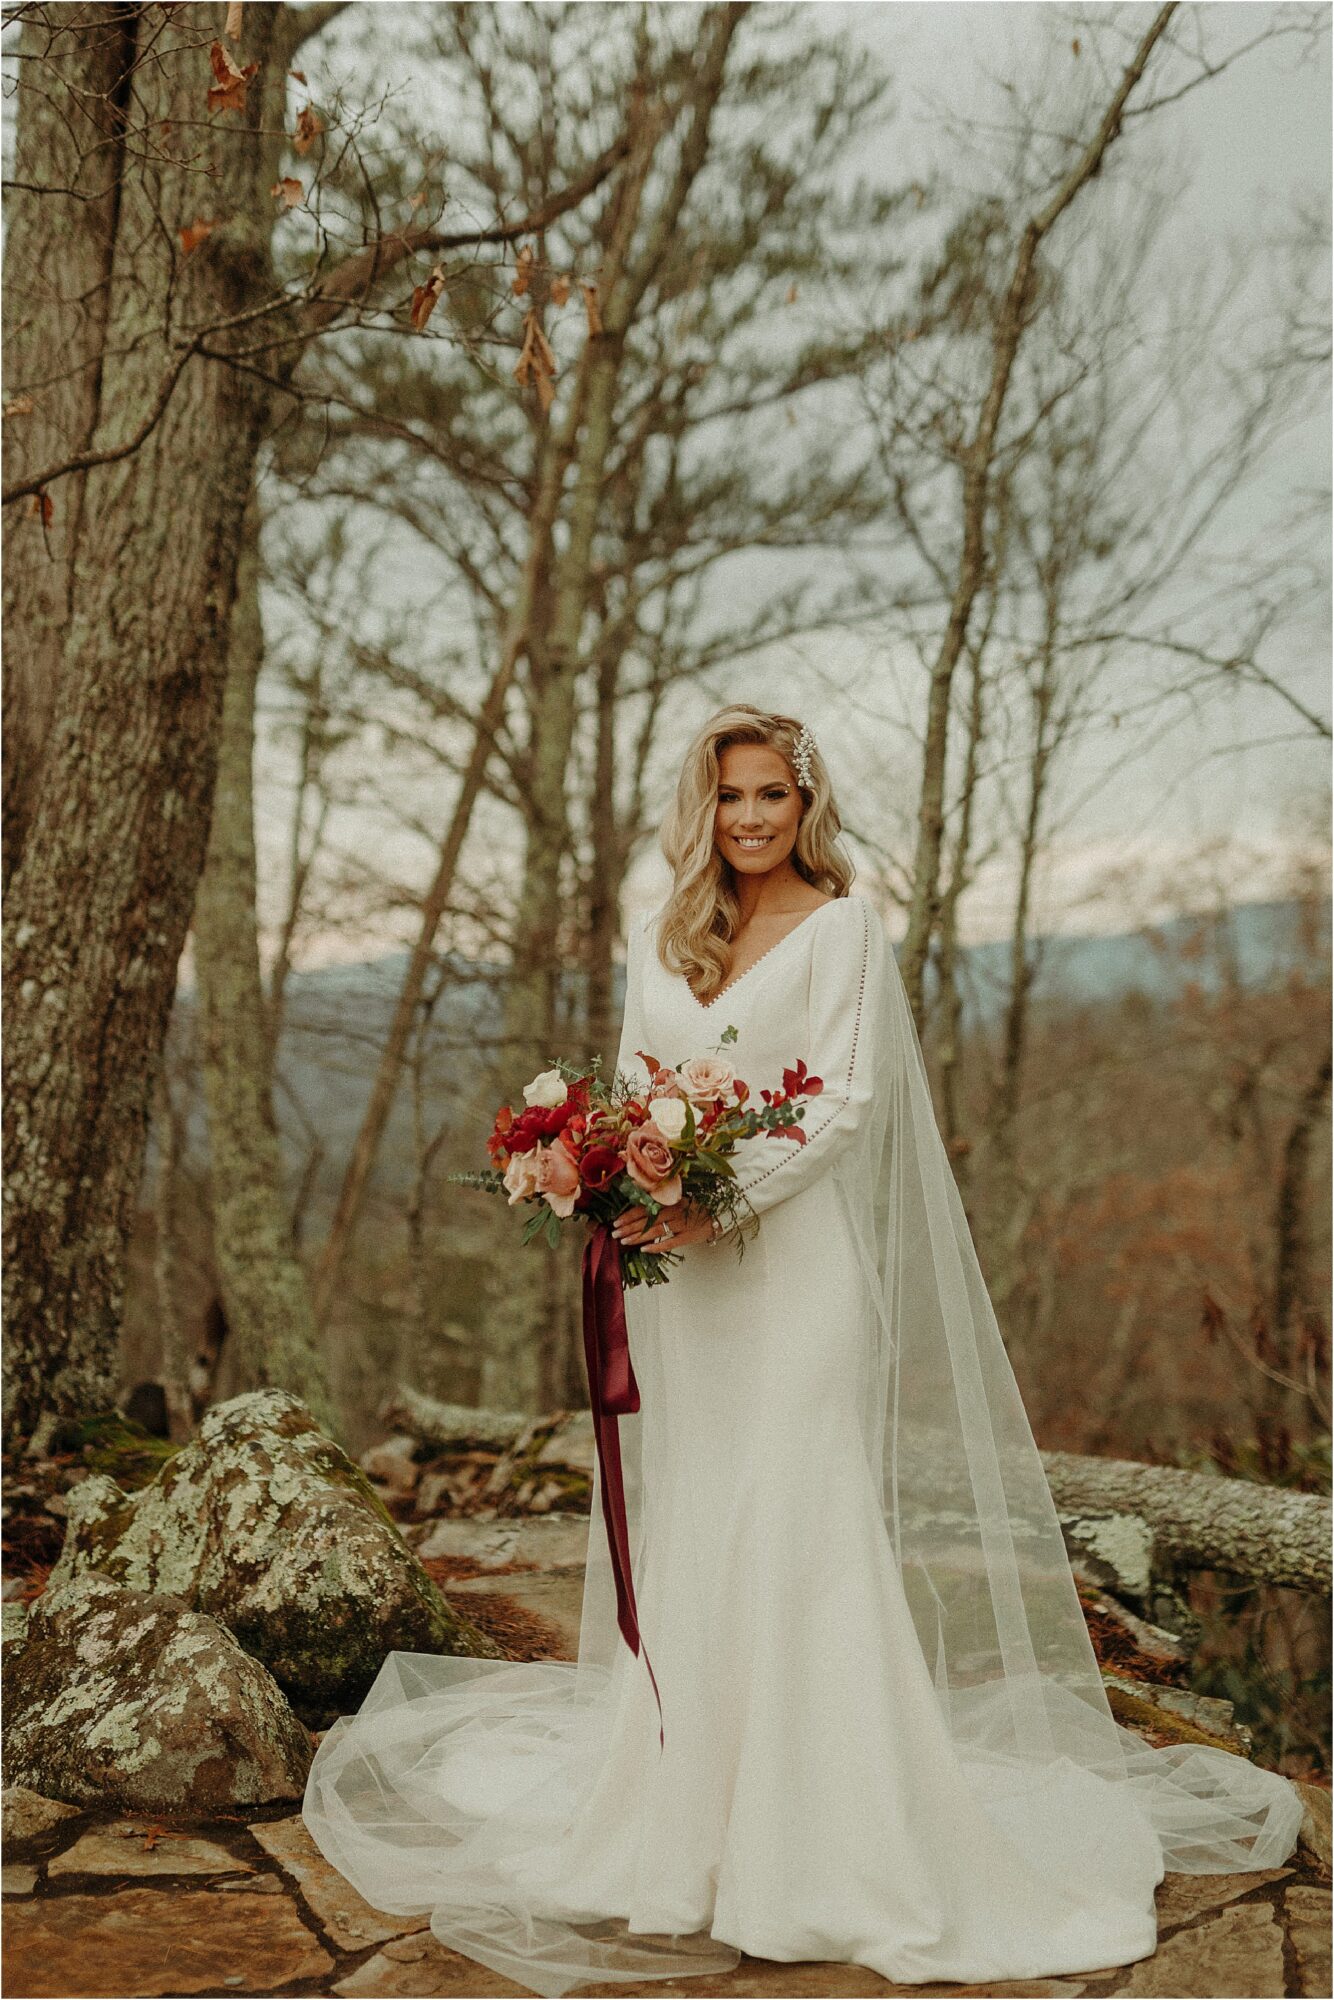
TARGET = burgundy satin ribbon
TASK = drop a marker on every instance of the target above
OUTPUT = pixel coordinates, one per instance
(612, 1392)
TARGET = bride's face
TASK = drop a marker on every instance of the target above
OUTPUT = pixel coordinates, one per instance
(759, 808)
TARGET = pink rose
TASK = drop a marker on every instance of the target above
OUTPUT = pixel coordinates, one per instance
(704, 1077)
(521, 1177)
(557, 1178)
(650, 1165)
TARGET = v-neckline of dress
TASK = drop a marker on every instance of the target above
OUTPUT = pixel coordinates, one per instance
(705, 1005)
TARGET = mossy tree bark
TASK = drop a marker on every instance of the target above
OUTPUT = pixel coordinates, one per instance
(60, 228)
(101, 900)
(264, 1289)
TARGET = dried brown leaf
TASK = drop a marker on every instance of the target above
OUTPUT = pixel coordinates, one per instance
(425, 297)
(308, 128)
(233, 27)
(560, 290)
(289, 192)
(523, 271)
(536, 362)
(44, 508)
(228, 93)
(192, 237)
(21, 406)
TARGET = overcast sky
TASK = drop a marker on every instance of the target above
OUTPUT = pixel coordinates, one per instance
(1242, 152)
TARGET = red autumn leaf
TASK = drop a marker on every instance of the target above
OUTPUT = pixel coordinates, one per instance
(425, 297)
(228, 93)
(298, 74)
(44, 507)
(797, 1084)
(308, 129)
(192, 237)
(289, 192)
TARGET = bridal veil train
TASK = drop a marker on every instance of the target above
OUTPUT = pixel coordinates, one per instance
(886, 1737)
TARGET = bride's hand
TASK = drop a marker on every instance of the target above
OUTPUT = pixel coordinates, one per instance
(683, 1223)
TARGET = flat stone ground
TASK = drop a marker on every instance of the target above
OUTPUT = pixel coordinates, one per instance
(98, 1904)
(138, 1907)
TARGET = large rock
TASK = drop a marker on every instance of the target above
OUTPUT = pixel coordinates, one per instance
(125, 1699)
(1315, 1833)
(265, 1525)
(27, 1816)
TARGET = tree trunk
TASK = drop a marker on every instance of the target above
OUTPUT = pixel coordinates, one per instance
(99, 906)
(1291, 1279)
(67, 170)
(606, 864)
(264, 1287)
(1014, 1034)
(167, 1262)
(951, 998)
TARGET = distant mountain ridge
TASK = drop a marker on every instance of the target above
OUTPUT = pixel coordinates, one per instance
(337, 1016)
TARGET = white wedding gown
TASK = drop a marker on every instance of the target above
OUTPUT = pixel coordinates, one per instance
(886, 1740)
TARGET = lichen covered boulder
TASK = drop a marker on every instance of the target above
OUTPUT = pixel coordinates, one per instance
(119, 1698)
(264, 1524)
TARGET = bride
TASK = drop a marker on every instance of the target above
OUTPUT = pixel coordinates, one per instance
(884, 1734)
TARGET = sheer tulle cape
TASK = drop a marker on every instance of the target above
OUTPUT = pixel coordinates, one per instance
(450, 1790)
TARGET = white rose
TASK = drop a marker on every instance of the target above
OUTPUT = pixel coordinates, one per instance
(669, 1115)
(547, 1090)
(522, 1176)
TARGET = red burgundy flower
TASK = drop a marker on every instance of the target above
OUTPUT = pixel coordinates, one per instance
(600, 1165)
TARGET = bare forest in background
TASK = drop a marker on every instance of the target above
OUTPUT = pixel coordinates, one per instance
(431, 413)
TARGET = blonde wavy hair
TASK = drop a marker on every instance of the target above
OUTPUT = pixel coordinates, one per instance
(702, 915)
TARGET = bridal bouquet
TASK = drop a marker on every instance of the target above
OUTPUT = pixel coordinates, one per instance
(584, 1147)
(581, 1146)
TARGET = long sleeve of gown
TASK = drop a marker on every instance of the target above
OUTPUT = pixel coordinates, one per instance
(632, 1021)
(846, 989)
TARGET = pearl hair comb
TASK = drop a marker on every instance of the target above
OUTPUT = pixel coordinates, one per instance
(801, 758)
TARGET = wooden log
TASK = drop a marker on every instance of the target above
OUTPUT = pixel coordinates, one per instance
(407, 1409)
(1201, 1520)
(1197, 1520)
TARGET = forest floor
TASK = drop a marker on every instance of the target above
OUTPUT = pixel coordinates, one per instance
(110, 1904)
